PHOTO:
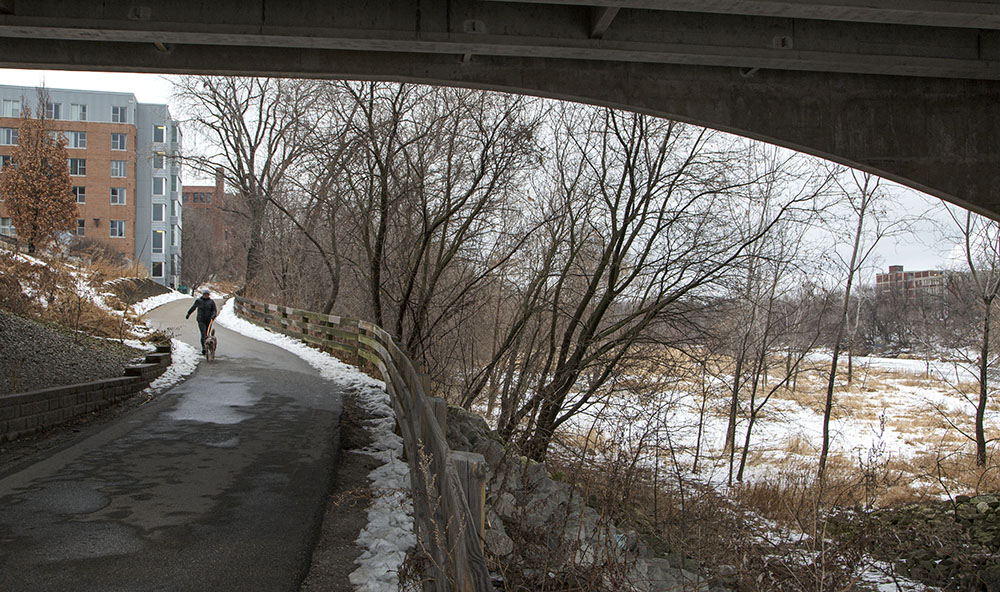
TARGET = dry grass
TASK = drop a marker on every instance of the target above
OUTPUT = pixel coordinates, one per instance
(725, 527)
(50, 292)
(101, 270)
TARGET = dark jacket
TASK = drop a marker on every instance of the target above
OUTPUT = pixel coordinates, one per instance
(206, 309)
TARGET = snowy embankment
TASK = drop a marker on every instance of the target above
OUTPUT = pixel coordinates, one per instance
(144, 306)
(184, 360)
(389, 534)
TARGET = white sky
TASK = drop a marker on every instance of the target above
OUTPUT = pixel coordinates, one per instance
(925, 250)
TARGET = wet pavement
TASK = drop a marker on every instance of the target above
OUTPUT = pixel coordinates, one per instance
(219, 484)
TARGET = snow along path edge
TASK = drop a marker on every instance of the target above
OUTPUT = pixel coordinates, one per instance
(389, 534)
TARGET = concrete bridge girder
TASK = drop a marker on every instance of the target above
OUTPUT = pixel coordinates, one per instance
(888, 91)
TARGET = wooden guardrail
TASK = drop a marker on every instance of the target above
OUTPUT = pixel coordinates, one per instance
(448, 486)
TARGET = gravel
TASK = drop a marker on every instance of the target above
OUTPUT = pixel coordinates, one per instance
(36, 355)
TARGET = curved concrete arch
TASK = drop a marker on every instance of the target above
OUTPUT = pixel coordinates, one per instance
(911, 94)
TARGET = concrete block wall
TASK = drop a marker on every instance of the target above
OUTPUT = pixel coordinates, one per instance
(22, 414)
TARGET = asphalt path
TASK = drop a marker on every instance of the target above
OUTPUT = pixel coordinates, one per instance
(219, 484)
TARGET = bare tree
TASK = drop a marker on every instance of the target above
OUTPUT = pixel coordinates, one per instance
(258, 129)
(865, 200)
(980, 243)
(644, 226)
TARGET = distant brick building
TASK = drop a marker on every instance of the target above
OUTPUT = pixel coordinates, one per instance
(204, 201)
(210, 231)
(910, 283)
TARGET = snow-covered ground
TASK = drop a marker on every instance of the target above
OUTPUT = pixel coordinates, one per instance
(896, 414)
(144, 306)
(389, 534)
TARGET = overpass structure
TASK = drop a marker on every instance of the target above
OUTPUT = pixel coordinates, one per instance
(907, 90)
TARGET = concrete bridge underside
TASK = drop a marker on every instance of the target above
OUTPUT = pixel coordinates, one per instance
(911, 93)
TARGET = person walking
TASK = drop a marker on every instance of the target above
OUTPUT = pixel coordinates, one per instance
(207, 312)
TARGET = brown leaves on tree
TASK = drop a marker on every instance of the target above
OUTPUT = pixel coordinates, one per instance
(37, 188)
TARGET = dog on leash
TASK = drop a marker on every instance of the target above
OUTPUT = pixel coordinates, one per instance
(211, 342)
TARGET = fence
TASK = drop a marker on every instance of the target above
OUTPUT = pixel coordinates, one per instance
(448, 486)
(22, 414)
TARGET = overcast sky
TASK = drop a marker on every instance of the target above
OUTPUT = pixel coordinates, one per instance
(924, 250)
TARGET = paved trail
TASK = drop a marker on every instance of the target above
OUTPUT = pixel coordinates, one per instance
(218, 485)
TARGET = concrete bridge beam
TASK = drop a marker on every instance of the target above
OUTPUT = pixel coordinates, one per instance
(910, 92)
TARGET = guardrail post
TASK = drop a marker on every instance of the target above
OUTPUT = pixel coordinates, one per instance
(472, 470)
(425, 382)
(439, 407)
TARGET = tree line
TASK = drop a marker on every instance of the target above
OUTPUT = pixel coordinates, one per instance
(537, 257)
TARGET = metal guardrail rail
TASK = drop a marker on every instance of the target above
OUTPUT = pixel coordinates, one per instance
(448, 486)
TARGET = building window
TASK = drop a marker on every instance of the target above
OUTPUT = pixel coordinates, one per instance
(174, 183)
(118, 141)
(10, 108)
(4, 161)
(80, 193)
(118, 168)
(158, 210)
(53, 110)
(117, 196)
(173, 236)
(78, 139)
(173, 208)
(119, 114)
(158, 269)
(78, 166)
(173, 265)
(118, 229)
(81, 227)
(159, 185)
(184, 196)
(159, 133)
(8, 136)
(6, 228)
(158, 160)
(173, 134)
(157, 241)
(78, 112)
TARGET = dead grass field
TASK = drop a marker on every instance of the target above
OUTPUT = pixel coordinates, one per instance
(908, 426)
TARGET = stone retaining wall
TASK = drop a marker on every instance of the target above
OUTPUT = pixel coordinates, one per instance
(25, 413)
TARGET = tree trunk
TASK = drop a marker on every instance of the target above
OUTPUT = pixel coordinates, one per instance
(255, 248)
(537, 445)
(378, 253)
(734, 402)
(984, 361)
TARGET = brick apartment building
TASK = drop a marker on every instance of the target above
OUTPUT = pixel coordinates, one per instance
(124, 166)
(910, 283)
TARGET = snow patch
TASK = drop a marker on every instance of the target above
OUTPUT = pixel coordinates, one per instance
(144, 306)
(184, 360)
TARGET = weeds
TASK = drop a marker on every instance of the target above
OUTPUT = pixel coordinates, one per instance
(51, 293)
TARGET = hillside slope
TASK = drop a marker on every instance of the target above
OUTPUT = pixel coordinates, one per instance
(35, 355)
